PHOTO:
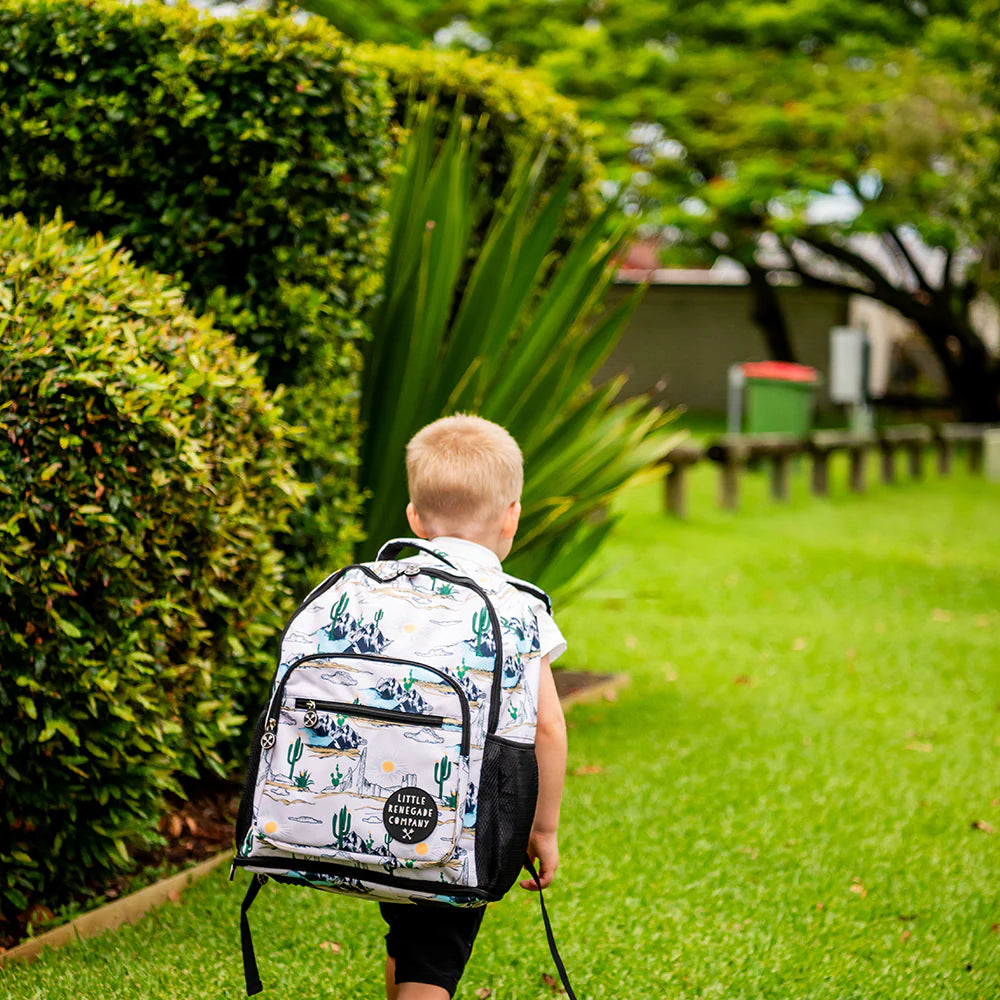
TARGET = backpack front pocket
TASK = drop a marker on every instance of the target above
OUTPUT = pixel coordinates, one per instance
(367, 761)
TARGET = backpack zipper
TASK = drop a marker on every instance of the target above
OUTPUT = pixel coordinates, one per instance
(275, 706)
(363, 711)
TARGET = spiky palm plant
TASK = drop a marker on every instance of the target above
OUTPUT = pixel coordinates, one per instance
(515, 337)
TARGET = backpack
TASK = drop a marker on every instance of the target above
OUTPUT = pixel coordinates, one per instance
(395, 758)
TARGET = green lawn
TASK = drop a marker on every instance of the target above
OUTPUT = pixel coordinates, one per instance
(782, 805)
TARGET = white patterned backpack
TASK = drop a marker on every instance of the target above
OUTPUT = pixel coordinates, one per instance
(395, 758)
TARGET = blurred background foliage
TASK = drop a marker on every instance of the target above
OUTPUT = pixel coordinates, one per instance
(820, 142)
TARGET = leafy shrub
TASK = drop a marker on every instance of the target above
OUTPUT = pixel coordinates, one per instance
(143, 471)
(245, 156)
(516, 112)
(508, 344)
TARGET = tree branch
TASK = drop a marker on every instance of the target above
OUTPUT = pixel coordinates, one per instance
(881, 287)
(813, 280)
(897, 239)
(894, 250)
(947, 279)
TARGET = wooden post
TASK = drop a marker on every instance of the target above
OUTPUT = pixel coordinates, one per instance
(680, 459)
(944, 448)
(857, 473)
(729, 482)
(731, 453)
(676, 496)
(821, 472)
(779, 476)
(888, 462)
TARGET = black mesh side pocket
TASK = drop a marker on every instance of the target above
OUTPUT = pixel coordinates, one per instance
(508, 791)
(245, 815)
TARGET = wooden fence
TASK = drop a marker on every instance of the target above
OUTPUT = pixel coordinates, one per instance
(734, 453)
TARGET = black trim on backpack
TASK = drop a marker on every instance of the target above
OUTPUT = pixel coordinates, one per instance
(508, 795)
(245, 815)
(530, 588)
(312, 867)
(392, 548)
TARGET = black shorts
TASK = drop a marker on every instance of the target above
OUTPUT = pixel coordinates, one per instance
(431, 943)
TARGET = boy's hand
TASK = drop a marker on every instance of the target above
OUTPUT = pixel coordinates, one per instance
(543, 849)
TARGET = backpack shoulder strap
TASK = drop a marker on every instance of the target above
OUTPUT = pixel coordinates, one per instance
(530, 588)
(394, 546)
(560, 968)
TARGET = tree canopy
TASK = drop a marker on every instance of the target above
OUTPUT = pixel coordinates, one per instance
(824, 142)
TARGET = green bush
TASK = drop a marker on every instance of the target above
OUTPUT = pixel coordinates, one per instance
(518, 112)
(245, 156)
(143, 472)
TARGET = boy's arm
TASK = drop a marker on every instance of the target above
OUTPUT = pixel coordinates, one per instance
(550, 749)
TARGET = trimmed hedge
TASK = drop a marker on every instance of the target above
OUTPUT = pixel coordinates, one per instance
(143, 471)
(521, 112)
(248, 157)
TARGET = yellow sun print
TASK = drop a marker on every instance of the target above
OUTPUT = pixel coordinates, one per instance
(421, 849)
(388, 767)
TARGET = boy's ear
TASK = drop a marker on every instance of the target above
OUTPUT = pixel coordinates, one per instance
(416, 525)
(510, 520)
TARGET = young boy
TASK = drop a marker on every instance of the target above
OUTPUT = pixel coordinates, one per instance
(465, 476)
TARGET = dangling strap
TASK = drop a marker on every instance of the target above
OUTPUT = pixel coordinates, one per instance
(560, 968)
(392, 548)
(250, 973)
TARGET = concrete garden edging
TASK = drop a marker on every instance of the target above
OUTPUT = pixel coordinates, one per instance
(127, 910)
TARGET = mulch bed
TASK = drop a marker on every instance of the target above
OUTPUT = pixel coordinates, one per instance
(571, 682)
(193, 831)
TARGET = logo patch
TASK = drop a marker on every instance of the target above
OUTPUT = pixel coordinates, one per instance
(410, 815)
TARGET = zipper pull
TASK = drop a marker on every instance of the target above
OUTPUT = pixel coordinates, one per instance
(311, 716)
(267, 740)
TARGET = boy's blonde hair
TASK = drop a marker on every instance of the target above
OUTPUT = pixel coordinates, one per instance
(463, 470)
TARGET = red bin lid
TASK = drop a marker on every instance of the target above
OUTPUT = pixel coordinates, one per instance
(785, 371)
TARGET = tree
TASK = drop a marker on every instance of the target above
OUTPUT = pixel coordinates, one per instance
(738, 128)
(735, 128)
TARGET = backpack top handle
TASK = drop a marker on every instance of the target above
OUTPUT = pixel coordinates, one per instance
(392, 548)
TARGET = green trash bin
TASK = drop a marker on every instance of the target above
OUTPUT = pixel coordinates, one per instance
(778, 397)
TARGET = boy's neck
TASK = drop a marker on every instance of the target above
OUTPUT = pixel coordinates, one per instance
(497, 535)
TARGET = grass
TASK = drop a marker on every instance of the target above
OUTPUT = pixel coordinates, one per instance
(782, 805)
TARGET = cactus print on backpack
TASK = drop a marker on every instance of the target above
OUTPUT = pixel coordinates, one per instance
(393, 678)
